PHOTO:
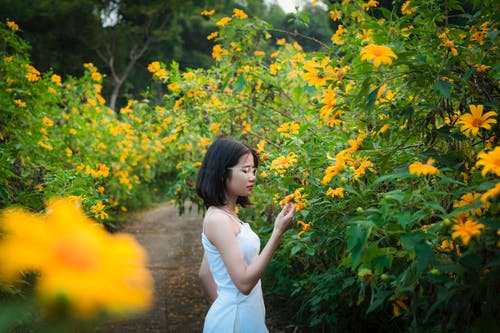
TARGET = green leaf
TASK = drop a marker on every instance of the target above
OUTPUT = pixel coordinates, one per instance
(378, 299)
(392, 177)
(443, 88)
(424, 257)
(296, 249)
(404, 218)
(310, 251)
(356, 239)
(240, 84)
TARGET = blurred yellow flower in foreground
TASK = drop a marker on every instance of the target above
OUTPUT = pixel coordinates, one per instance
(77, 260)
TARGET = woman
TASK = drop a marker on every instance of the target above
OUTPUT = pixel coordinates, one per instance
(231, 268)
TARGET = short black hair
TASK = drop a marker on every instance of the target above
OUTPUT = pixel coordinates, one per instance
(213, 175)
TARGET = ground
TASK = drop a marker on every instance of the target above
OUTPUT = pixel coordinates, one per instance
(173, 243)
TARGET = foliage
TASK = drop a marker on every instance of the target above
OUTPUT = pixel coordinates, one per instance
(378, 140)
(59, 138)
(386, 140)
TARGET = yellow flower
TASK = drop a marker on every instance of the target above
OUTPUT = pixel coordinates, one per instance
(69, 152)
(335, 169)
(449, 44)
(318, 73)
(100, 189)
(12, 25)
(378, 53)
(259, 53)
(370, 4)
(214, 128)
(399, 304)
(32, 74)
(305, 228)
(154, 66)
(482, 68)
(45, 145)
(297, 46)
(466, 228)
(479, 34)
(98, 210)
(338, 192)
(223, 21)
(336, 37)
(473, 121)
(490, 161)
(213, 35)
(96, 76)
(281, 41)
(260, 147)
(20, 103)
(406, 9)
(335, 15)
(420, 169)
(287, 129)
(361, 170)
(282, 163)
(299, 199)
(56, 79)
(355, 144)
(239, 13)
(446, 246)
(39, 187)
(471, 199)
(491, 193)
(218, 52)
(208, 12)
(47, 122)
(77, 261)
(365, 35)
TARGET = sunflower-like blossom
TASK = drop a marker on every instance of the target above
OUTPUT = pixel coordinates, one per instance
(298, 198)
(318, 73)
(475, 120)
(471, 199)
(491, 193)
(282, 163)
(337, 192)
(378, 53)
(465, 228)
(489, 161)
(421, 169)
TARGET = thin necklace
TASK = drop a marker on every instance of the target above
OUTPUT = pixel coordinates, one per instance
(232, 214)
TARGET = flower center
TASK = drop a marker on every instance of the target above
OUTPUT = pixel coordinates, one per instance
(74, 255)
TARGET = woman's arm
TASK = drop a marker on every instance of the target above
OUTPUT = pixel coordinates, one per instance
(207, 280)
(245, 277)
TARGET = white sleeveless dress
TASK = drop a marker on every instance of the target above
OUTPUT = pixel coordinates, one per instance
(232, 311)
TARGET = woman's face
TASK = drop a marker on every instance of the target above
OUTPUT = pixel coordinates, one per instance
(242, 178)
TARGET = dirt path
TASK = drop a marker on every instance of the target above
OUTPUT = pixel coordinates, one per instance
(174, 247)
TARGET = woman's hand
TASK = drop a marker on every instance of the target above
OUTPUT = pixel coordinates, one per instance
(284, 220)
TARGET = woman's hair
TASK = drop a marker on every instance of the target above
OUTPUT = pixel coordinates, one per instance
(213, 175)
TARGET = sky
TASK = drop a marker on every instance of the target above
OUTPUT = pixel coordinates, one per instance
(289, 5)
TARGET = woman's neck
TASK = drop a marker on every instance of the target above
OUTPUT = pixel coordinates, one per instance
(230, 205)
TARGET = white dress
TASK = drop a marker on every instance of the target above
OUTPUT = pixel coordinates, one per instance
(232, 311)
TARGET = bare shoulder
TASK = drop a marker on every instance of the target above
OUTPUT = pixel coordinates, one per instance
(217, 224)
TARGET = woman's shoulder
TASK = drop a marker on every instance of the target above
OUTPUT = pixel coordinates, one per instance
(214, 216)
(218, 221)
